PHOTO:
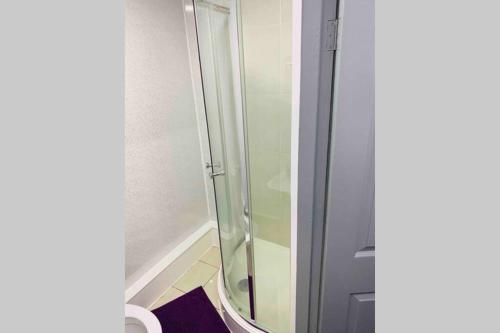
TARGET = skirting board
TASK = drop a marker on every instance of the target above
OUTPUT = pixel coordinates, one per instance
(149, 287)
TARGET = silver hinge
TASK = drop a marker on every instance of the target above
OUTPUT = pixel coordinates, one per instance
(209, 165)
(332, 32)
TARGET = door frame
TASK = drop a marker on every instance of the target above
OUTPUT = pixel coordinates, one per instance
(313, 125)
(311, 129)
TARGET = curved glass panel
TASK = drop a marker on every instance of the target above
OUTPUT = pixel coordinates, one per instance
(228, 168)
(266, 40)
(245, 58)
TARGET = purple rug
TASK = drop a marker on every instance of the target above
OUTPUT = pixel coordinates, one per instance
(190, 313)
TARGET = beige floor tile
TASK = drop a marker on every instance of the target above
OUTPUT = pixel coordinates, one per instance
(171, 294)
(212, 257)
(211, 289)
(197, 276)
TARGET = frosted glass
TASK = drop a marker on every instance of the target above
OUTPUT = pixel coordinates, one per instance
(225, 147)
(245, 56)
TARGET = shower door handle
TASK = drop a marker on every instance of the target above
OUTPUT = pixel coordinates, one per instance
(218, 173)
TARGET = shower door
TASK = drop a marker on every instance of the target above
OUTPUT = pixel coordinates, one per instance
(227, 168)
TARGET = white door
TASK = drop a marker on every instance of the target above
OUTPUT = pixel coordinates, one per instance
(348, 274)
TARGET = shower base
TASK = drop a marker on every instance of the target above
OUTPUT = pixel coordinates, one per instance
(232, 319)
(272, 283)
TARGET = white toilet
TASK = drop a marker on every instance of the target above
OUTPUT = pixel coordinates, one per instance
(140, 320)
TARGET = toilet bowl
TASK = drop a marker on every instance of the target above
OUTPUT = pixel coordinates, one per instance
(140, 320)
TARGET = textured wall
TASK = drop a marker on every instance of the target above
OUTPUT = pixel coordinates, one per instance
(165, 196)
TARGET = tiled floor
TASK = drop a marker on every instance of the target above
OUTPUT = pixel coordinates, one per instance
(203, 273)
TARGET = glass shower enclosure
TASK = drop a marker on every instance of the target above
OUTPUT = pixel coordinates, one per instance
(245, 58)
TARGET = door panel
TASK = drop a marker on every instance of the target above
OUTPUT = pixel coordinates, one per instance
(361, 317)
(348, 275)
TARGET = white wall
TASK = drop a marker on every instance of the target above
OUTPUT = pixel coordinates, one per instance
(165, 198)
